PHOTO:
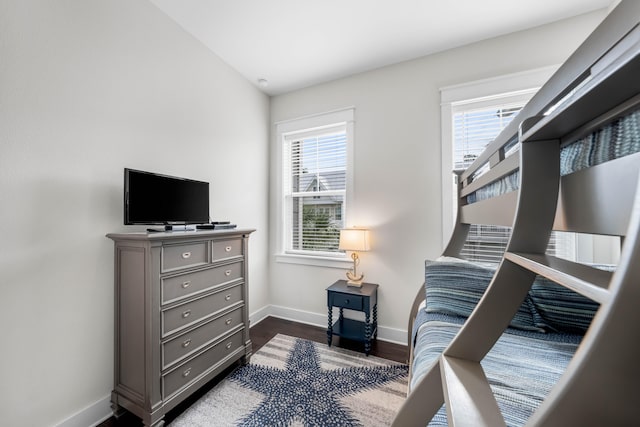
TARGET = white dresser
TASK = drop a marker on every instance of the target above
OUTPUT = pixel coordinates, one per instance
(180, 315)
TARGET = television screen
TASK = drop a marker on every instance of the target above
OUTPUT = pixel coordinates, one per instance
(151, 198)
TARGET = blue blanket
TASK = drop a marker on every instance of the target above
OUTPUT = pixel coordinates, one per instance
(521, 368)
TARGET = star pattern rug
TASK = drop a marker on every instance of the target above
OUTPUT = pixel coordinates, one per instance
(296, 382)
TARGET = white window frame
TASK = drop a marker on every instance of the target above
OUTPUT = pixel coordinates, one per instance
(482, 91)
(313, 122)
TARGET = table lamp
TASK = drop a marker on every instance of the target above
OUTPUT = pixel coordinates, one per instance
(356, 240)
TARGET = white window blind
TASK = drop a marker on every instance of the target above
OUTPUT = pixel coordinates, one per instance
(473, 129)
(315, 183)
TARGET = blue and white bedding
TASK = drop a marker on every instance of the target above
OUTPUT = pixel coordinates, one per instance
(455, 286)
(531, 354)
(521, 368)
(505, 185)
(618, 139)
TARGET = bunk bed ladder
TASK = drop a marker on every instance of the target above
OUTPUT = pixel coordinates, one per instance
(457, 378)
(460, 362)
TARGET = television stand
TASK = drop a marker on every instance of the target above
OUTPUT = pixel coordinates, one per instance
(181, 316)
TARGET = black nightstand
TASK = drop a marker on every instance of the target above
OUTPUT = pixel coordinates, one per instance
(363, 299)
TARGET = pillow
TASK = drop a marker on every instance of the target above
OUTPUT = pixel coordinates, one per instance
(560, 308)
(454, 286)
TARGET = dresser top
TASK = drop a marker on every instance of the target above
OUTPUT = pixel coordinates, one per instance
(179, 234)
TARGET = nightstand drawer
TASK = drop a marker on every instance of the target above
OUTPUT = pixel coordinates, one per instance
(184, 345)
(176, 287)
(191, 312)
(191, 370)
(186, 255)
(353, 302)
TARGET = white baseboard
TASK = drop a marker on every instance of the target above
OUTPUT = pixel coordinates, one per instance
(259, 315)
(92, 415)
(392, 335)
(385, 333)
(300, 316)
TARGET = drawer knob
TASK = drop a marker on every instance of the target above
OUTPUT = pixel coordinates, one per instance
(346, 301)
(186, 372)
(186, 314)
(228, 346)
(186, 284)
(186, 255)
(227, 298)
(227, 249)
(228, 322)
(227, 273)
(186, 343)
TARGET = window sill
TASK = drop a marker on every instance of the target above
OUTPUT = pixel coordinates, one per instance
(317, 261)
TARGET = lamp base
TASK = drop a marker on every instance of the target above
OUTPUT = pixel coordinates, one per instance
(355, 281)
(354, 284)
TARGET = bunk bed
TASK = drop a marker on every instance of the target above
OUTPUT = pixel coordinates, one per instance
(540, 340)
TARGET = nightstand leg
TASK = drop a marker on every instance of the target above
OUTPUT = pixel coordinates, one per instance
(375, 321)
(330, 326)
(367, 334)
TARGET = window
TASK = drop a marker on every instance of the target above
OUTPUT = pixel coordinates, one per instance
(316, 182)
(472, 116)
(473, 130)
(475, 124)
(503, 90)
(314, 188)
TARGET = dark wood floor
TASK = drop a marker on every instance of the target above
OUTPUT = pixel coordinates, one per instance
(260, 335)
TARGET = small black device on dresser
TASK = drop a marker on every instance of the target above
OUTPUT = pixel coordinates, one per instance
(364, 299)
(217, 225)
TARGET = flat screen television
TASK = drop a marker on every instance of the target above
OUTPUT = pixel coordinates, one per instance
(155, 199)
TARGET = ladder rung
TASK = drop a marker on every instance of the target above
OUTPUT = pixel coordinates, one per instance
(469, 399)
(588, 281)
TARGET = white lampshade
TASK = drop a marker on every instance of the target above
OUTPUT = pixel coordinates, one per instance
(354, 239)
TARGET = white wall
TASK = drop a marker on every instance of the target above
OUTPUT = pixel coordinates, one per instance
(397, 161)
(87, 88)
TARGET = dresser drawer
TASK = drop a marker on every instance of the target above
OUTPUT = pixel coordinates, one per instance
(191, 312)
(227, 248)
(353, 302)
(185, 255)
(189, 342)
(191, 370)
(176, 287)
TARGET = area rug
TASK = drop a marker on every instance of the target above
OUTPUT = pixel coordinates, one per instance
(296, 382)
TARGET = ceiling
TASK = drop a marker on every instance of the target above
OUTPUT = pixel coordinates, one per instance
(298, 43)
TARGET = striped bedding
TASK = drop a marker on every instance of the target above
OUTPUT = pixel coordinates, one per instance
(454, 286)
(522, 367)
(505, 185)
(617, 139)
